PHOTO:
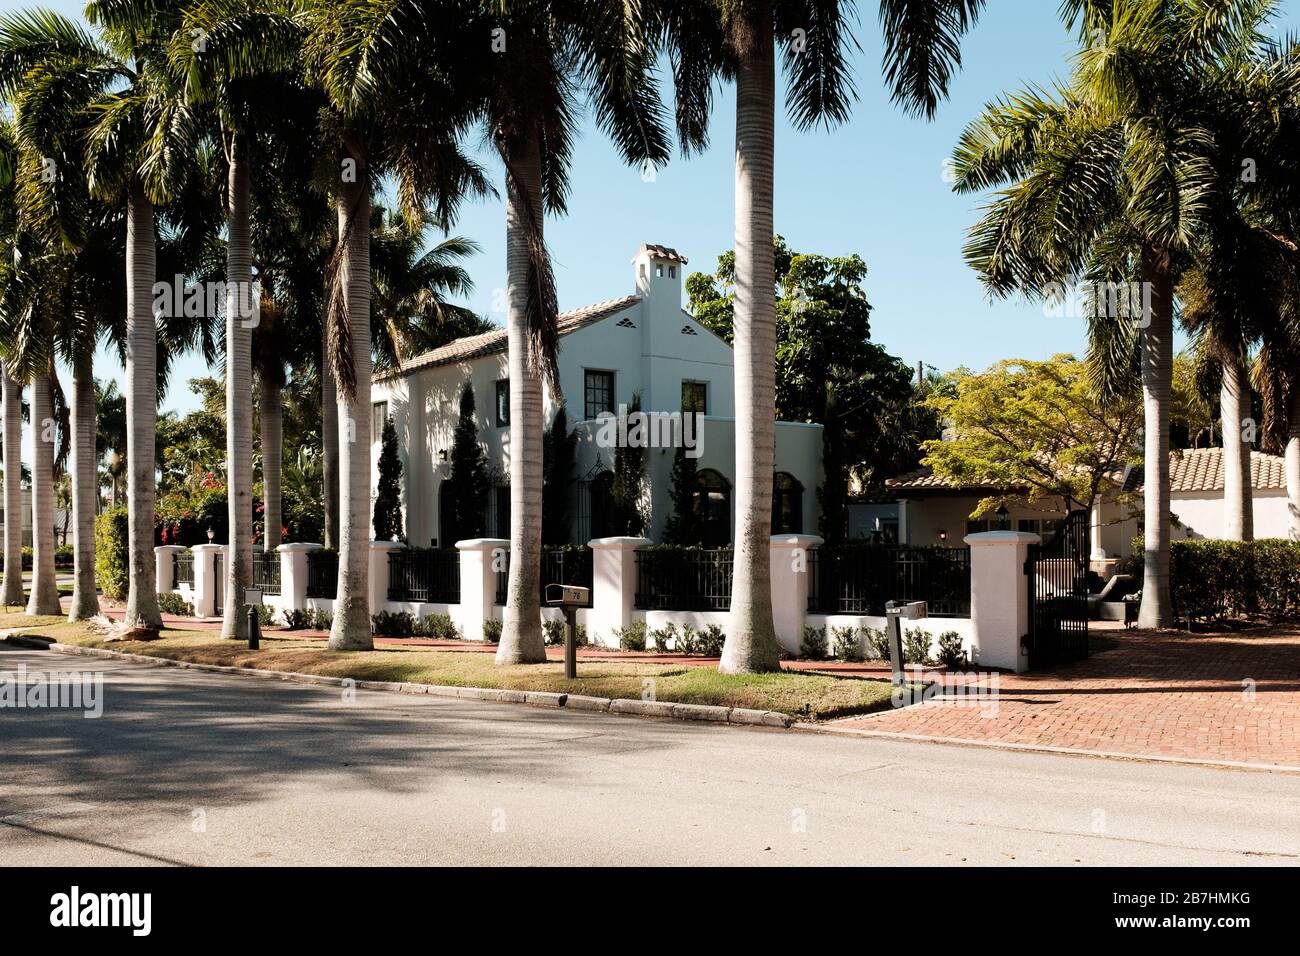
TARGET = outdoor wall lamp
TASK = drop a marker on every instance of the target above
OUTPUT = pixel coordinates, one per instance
(211, 534)
(1003, 523)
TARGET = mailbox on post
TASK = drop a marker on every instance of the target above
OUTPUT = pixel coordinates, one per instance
(569, 597)
(897, 612)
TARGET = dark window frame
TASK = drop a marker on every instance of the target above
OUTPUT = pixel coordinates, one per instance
(701, 384)
(502, 414)
(605, 375)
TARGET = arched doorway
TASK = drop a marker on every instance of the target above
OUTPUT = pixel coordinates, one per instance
(712, 501)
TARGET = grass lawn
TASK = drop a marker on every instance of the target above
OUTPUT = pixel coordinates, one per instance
(803, 694)
(14, 616)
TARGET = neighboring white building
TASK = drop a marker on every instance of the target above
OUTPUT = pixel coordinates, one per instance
(641, 343)
(922, 509)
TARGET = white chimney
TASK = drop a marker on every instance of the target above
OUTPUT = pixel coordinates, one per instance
(659, 275)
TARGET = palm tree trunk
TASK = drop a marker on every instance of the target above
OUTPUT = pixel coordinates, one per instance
(1293, 465)
(1157, 371)
(45, 589)
(239, 398)
(521, 632)
(141, 408)
(272, 455)
(85, 495)
(329, 428)
(351, 629)
(12, 591)
(1234, 408)
(751, 645)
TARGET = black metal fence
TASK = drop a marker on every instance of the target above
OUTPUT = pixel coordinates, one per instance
(431, 576)
(859, 579)
(322, 574)
(266, 571)
(683, 579)
(182, 568)
(572, 566)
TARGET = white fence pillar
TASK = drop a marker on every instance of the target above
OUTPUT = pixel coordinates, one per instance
(999, 596)
(205, 578)
(293, 572)
(480, 560)
(379, 552)
(790, 557)
(613, 584)
(164, 565)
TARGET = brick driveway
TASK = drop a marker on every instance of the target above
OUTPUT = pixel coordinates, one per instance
(1155, 694)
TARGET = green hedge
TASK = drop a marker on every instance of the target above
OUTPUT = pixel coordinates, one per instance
(1214, 580)
(112, 560)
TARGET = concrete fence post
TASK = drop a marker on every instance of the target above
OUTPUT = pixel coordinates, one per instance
(379, 552)
(164, 565)
(293, 572)
(480, 561)
(999, 597)
(613, 585)
(205, 578)
(790, 557)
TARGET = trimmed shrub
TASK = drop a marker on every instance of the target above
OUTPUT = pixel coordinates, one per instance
(877, 639)
(492, 631)
(712, 638)
(112, 557)
(1213, 580)
(632, 637)
(690, 642)
(813, 645)
(951, 653)
(169, 602)
(439, 626)
(265, 615)
(393, 624)
(552, 632)
(322, 620)
(848, 645)
(297, 619)
(916, 646)
(663, 637)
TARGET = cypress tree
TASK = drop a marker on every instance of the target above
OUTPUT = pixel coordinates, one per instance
(388, 503)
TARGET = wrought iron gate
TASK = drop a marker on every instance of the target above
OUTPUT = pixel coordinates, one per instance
(1058, 593)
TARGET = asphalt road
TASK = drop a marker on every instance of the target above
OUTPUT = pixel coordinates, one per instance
(192, 768)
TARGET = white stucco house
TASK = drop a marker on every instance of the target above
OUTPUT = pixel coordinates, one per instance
(645, 343)
(922, 509)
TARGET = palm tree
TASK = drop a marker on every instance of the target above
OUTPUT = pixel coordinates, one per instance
(736, 39)
(394, 109)
(555, 49)
(245, 64)
(141, 141)
(1111, 178)
(12, 591)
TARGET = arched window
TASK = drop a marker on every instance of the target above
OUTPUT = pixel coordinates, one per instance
(787, 504)
(712, 497)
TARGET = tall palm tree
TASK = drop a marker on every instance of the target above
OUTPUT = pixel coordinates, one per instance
(395, 109)
(555, 50)
(141, 142)
(737, 40)
(11, 593)
(1111, 179)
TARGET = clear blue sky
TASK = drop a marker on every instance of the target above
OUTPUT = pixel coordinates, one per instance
(873, 186)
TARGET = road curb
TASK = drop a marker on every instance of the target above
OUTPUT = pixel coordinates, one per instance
(626, 707)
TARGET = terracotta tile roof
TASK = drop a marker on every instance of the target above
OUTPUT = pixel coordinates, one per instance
(1191, 470)
(1201, 469)
(476, 346)
(661, 252)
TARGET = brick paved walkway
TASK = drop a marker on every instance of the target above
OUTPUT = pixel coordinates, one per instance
(1219, 697)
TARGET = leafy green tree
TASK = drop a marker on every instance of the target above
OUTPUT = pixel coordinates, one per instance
(1037, 426)
(388, 492)
(468, 485)
(559, 454)
(683, 525)
(823, 343)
